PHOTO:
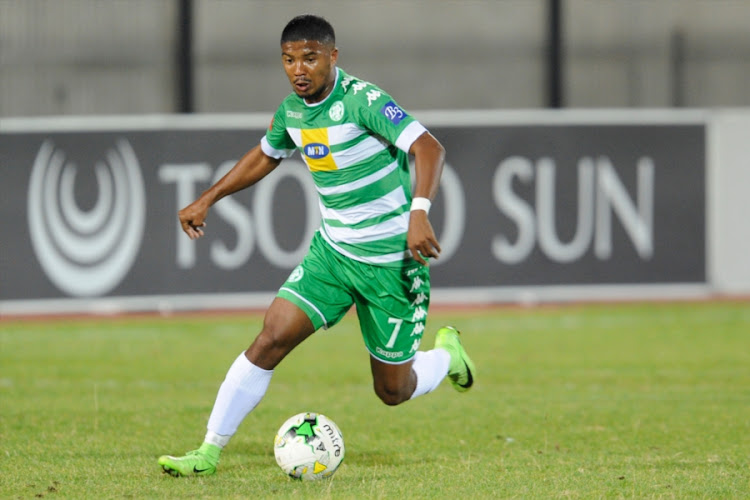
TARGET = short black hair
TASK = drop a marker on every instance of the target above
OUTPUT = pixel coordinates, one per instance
(309, 27)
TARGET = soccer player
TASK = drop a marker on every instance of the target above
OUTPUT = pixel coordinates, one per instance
(372, 248)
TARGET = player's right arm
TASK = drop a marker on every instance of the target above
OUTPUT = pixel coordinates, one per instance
(251, 168)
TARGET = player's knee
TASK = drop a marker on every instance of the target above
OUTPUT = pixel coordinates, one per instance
(278, 333)
(268, 340)
(391, 395)
(271, 345)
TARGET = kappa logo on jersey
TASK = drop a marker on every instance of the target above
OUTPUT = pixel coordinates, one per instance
(393, 112)
(372, 96)
(346, 82)
(316, 151)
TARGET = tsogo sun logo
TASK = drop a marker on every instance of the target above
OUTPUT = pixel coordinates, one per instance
(86, 252)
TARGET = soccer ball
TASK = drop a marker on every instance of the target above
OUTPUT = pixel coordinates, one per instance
(309, 446)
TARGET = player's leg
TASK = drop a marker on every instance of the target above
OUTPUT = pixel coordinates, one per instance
(393, 383)
(396, 383)
(285, 325)
(392, 314)
(311, 298)
(392, 308)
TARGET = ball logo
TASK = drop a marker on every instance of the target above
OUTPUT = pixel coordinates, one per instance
(86, 252)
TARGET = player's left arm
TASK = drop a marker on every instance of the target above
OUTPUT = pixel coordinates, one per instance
(429, 156)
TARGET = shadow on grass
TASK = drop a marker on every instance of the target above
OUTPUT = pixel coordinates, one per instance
(259, 452)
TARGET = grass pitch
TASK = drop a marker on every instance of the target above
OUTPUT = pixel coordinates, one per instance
(615, 401)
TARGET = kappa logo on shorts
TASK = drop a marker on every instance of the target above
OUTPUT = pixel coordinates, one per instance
(296, 275)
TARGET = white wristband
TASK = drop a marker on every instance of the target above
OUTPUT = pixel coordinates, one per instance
(421, 204)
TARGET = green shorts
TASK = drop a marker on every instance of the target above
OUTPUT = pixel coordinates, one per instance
(391, 302)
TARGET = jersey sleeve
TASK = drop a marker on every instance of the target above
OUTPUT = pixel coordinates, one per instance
(380, 113)
(277, 143)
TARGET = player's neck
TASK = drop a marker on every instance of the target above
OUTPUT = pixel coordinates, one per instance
(325, 91)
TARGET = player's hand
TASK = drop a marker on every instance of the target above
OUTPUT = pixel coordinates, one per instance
(193, 219)
(421, 238)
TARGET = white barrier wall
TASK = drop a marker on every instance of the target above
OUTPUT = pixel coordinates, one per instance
(534, 206)
(729, 201)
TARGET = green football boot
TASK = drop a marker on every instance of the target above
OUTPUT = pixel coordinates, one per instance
(461, 371)
(200, 462)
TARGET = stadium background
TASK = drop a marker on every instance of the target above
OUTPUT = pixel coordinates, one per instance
(81, 75)
(122, 56)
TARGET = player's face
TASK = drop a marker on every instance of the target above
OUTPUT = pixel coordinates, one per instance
(310, 67)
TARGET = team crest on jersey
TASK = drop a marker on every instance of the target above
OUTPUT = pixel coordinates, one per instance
(393, 112)
(337, 111)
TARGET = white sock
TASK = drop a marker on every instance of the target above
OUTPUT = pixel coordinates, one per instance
(242, 389)
(431, 368)
(216, 439)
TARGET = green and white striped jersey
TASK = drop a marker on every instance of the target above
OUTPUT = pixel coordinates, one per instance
(355, 143)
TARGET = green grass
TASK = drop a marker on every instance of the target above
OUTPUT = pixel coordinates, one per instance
(603, 401)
